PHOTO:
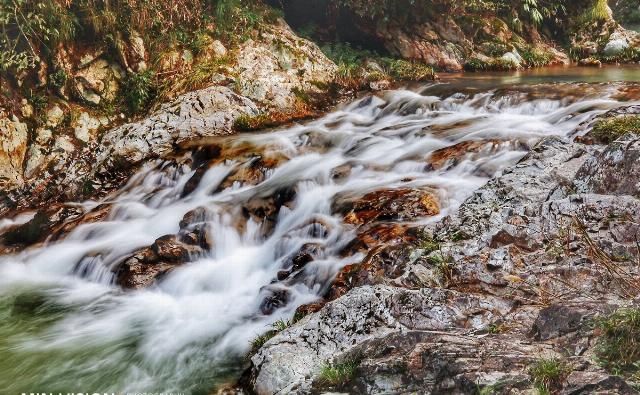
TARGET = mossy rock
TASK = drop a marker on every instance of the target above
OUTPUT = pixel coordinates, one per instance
(607, 130)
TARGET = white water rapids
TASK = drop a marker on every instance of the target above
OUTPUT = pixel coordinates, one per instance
(67, 327)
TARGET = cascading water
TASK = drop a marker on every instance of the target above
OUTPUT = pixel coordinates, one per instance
(67, 327)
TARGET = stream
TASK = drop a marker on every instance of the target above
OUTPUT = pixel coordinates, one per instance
(66, 326)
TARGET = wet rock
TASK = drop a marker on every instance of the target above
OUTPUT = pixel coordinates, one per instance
(273, 298)
(29, 233)
(450, 156)
(387, 205)
(146, 266)
(307, 253)
(168, 248)
(615, 171)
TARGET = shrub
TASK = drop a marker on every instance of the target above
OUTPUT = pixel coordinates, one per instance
(618, 347)
(138, 90)
(57, 79)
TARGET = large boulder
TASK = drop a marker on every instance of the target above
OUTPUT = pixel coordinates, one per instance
(204, 113)
(279, 66)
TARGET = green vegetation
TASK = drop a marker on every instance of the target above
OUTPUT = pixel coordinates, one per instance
(338, 374)
(547, 374)
(277, 327)
(356, 65)
(618, 348)
(138, 91)
(33, 32)
(248, 123)
(607, 130)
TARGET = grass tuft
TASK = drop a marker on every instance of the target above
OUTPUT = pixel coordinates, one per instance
(618, 348)
(338, 374)
(547, 374)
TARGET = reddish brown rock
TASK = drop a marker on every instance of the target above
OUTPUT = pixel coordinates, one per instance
(388, 205)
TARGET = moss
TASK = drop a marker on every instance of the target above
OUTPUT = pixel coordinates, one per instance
(248, 123)
(618, 347)
(338, 374)
(608, 130)
(547, 374)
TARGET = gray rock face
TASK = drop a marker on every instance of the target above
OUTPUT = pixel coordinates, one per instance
(615, 171)
(280, 62)
(286, 362)
(524, 240)
(203, 113)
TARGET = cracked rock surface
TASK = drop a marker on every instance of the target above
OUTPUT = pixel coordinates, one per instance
(535, 255)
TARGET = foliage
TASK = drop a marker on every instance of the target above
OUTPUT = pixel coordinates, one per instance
(58, 78)
(547, 374)
(338, 374)
(30, 28)
(609, 129)
(413, 11)
(618, 348)
(535, 57)
(138, 90)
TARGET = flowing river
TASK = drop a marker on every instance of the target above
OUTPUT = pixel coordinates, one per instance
(65, 326)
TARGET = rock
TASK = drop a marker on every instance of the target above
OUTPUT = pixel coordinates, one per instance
(590, 62)
(147, 265)
(293, 359)
(187, 57)
(615, 171)
(97, 81)
(580, 382)
(13, 148)
(131, 51)
(273, 298)
(269, 73)
(85, 127)
(55, 115)
(217, 49)
(387, 205)
(168, 248)
(513, 58)
(203, 113)
(617, 44)
(556, 321)
(451, 156)
(26, 109)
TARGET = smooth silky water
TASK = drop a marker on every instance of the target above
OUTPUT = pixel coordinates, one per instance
(65, 326)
